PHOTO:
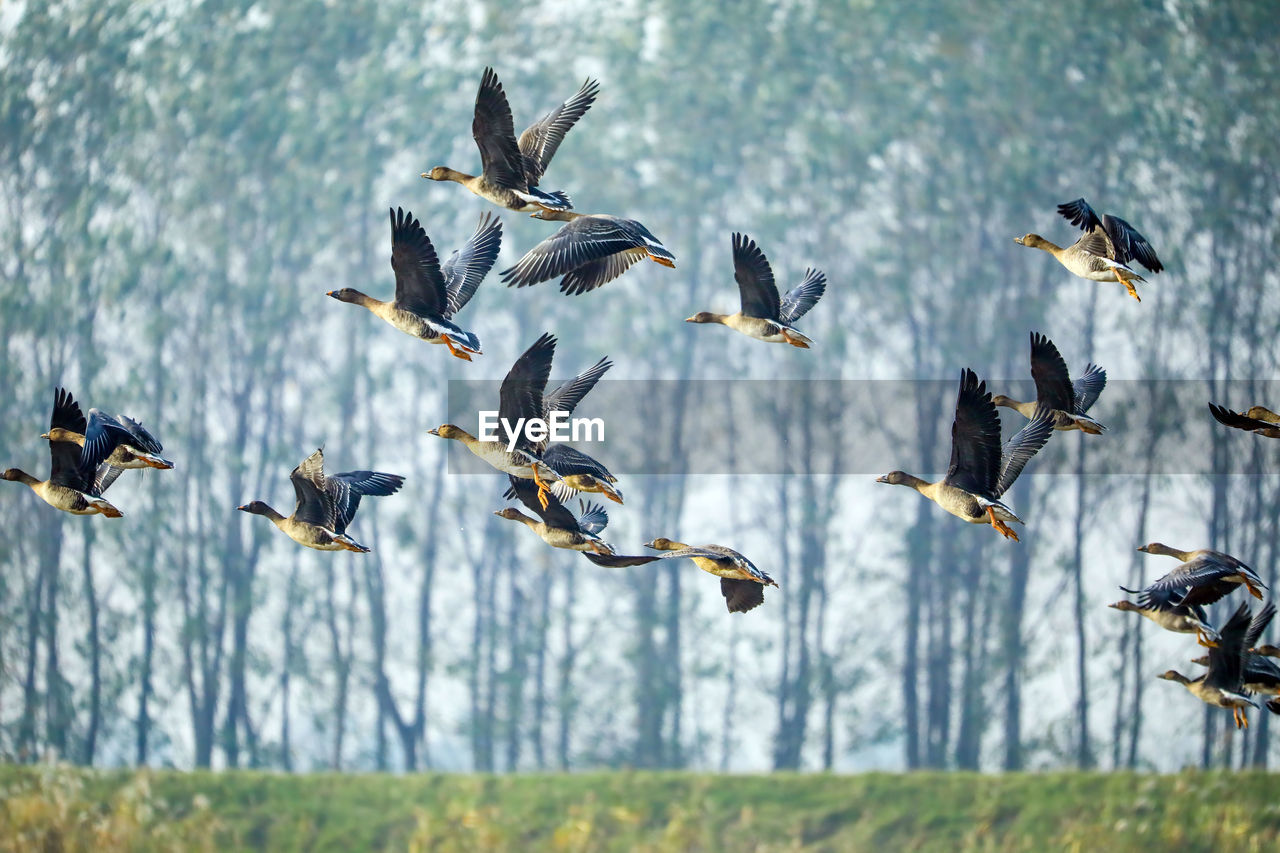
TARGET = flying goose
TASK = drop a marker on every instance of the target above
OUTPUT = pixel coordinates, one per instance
(511, 170)
(981, 470)
(764, 315)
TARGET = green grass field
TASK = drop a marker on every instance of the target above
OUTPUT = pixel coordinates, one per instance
(60, 808)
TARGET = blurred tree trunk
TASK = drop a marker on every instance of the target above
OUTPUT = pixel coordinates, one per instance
(94, 642)
(567, 701)
(537, 740)
(57, 690)
(940, 611)
(1012, 642)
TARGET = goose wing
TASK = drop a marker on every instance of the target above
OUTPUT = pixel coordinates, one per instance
(520, 395)
(1237, 420)
(1088, 386)
(618, 561)
(141, 436)
(1129, 245)
(495, 134)
(556, 514)
(102, 435)
(540, 140)
(975, 439)
(346, 489)
(799, 299)
(592, 274)
(420, 286)
(579, 242)
(568, 461)
(741, 596)
(1024, 444)
(566, 397)
(756, 288)
(315, 503)
(1226, 660)
(66, 468)
(1049, 372)
(1080, 214)
(1258, 626)
(592, 518)
(467, 267)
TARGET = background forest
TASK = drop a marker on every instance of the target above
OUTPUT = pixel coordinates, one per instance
(183, 181)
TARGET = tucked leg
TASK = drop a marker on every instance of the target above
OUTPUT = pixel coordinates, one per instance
(456, 353)
(1005, 530)
(1133, 291)
(543, 488)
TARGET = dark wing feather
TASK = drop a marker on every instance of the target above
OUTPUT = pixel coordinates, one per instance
(592, 274)
(1129, 244)
(577, 243)
(756, 287)
(102, 435)
(315, 504)
(741, 596)
(556, 514)
(1088, 387)
(1049, 372)
(568, 461)
(142, 437)
(1259, 625)
(1194, 573)
(1207, 592)
(803, 296)
(540, 140)
(975, 439)
(465, 269)
(419, 282)
(592, 518)
(1158, 599)
(495, 135)
(566, 397)
(346, 489)
(521, 393)
(617, 561)
(66, 468)
(1080, 214)
(1226, 660)
(1237, 420)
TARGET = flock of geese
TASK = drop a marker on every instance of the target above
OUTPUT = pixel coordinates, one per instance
(589, 250)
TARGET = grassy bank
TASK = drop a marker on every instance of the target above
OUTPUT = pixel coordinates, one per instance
(54, 808)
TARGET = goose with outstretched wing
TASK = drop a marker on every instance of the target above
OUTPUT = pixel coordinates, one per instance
(981, 471)
(512, 168)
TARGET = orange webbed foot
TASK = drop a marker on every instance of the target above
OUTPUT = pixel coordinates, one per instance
(1005, 530)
